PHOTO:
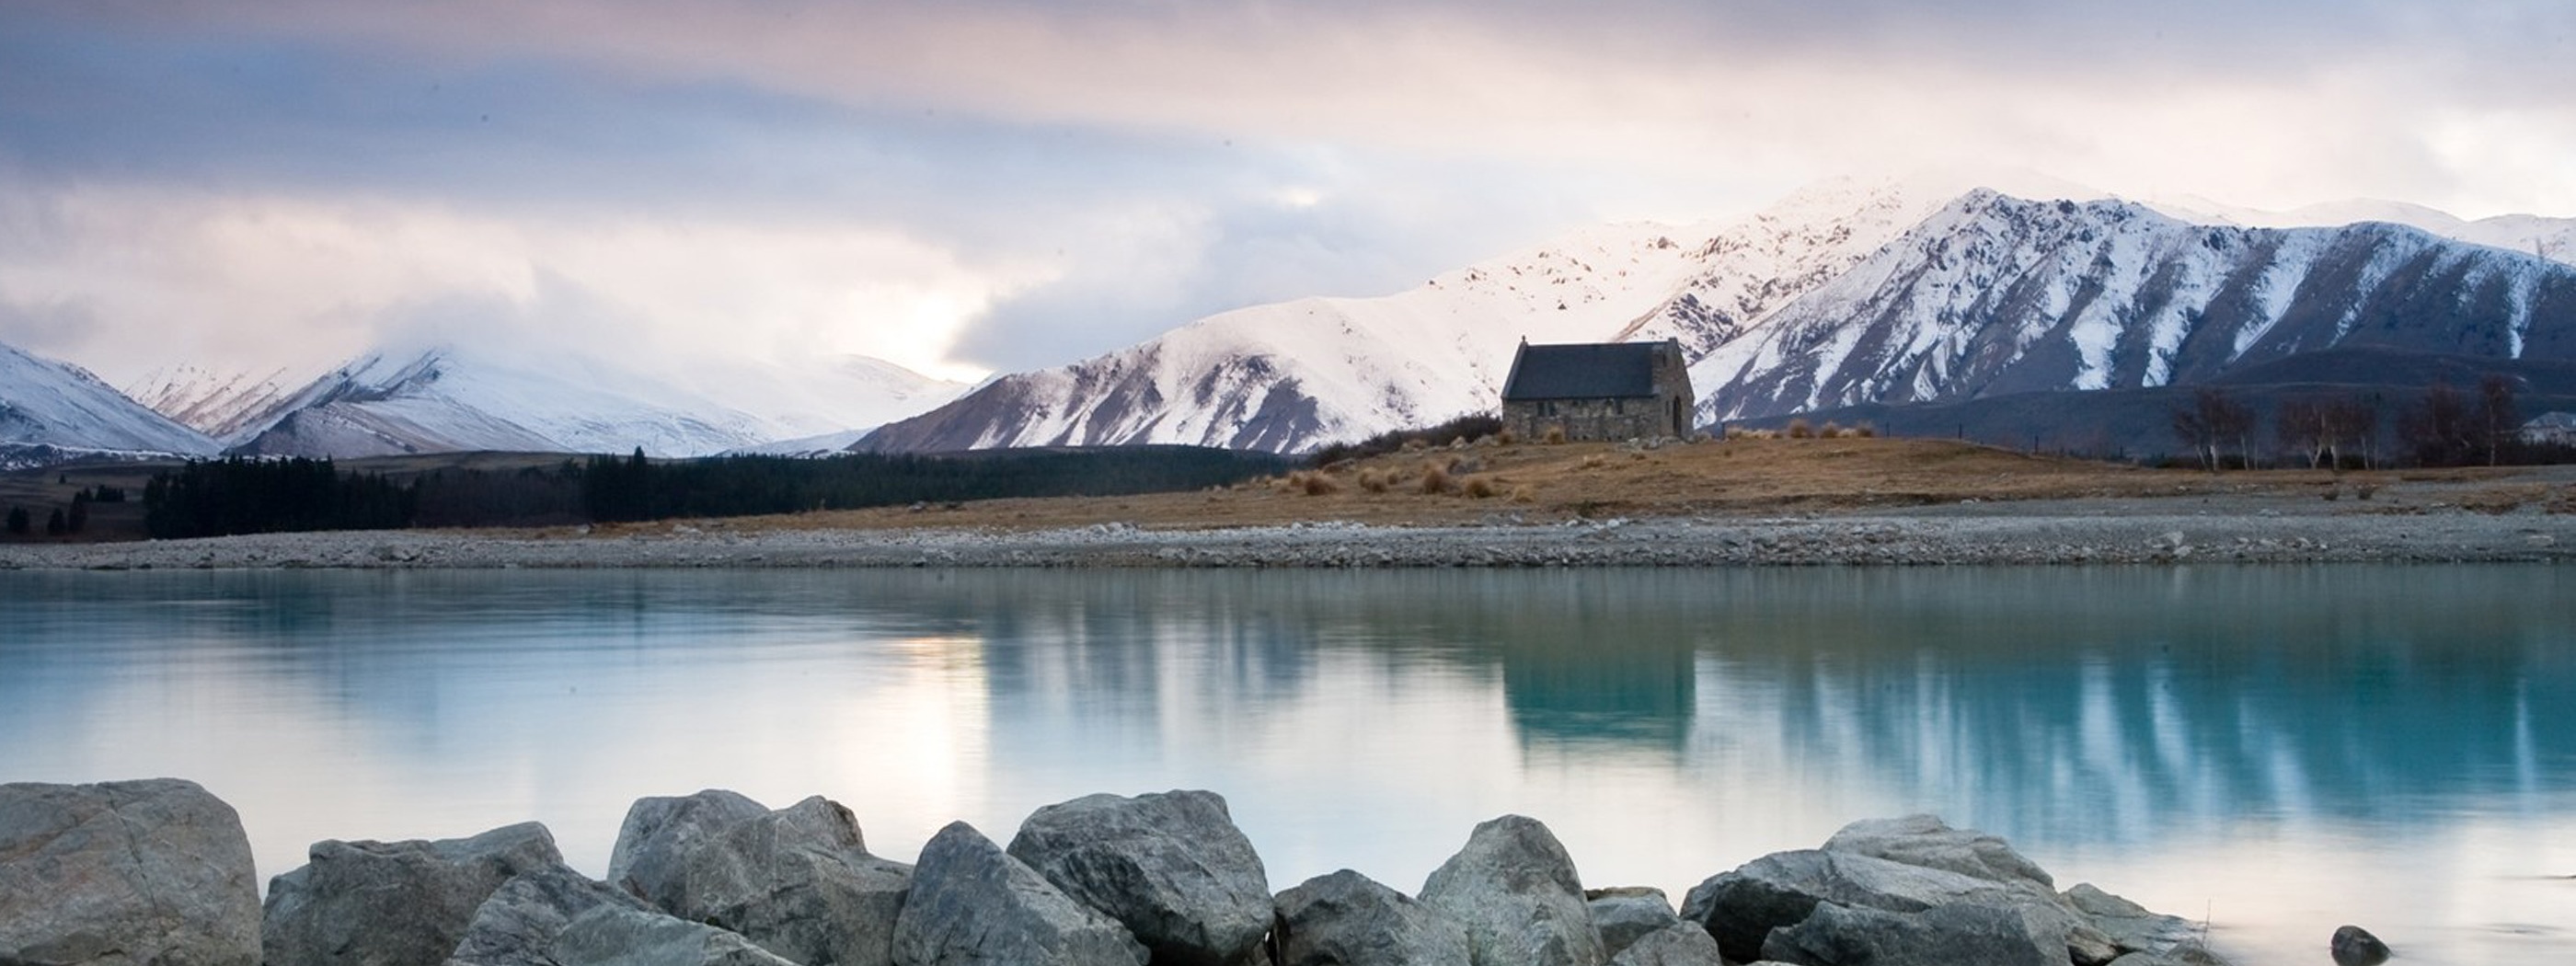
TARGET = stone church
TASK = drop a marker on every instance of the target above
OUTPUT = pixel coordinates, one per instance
(1599, 391)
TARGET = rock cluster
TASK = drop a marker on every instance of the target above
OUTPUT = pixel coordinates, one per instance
(158, 872)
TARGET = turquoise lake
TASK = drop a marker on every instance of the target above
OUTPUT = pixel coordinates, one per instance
(2279, 750)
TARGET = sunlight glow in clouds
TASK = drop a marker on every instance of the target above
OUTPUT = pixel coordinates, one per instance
(985, 184)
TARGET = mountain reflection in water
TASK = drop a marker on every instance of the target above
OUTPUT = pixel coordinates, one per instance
(2280, 748)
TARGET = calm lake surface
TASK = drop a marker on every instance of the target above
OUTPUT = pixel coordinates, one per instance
(2279, 749)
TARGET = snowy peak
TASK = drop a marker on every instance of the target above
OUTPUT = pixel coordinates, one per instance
(214, 403)
(2550, 238)
(61, 409)
(451, 399)
(1994, 295)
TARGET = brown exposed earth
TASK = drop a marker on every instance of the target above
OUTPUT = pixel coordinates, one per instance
(1781, 501)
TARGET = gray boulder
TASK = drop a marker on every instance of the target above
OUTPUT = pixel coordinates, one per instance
(973, 903)
(519, 924)
(134, 872)
(799, 881)
(611, 935)
(1679, 944)
(1949, 935)
(2355, 946)
(1626, 914)
(2130, 926)
(1172, 867)
(393, 903)
(1927, 841)
(1516, 891)
(1742, 907)
(1348, 919)
(660, 832)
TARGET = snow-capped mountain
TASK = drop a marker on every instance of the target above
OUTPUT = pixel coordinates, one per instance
(1289, 375)
(56, 410)
(1294, 375)
(2551, 238)
(1996, 295)
(217, 404)
(1843, 293)
(450, 399)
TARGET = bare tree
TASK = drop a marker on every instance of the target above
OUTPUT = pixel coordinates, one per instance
(2194, 431)
(2439, 428)
(2353, 421)
(2304, 428)
(2497, 419)
(2214, 421)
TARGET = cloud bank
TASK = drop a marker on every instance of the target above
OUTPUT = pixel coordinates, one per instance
(982, 185)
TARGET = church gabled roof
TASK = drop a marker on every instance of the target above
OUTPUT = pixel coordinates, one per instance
(1592, 370)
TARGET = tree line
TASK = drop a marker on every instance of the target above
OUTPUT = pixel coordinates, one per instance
(238, 495)
(2444, 427)
(62, 521)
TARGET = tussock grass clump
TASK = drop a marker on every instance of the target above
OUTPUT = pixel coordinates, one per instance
(1435, 479)
(1831, 430)
(1592, 462)
(1555, 436)
(1524, 494)
(1864, 431)
(1481, 487)
(1507, 437)
(1318, 484)
(1373, 481)
(1799, 429)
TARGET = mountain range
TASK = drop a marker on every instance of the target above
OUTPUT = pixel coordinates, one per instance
(1867, 296)
(1844, 294)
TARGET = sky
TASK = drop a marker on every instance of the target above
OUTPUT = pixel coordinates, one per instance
(975, 186)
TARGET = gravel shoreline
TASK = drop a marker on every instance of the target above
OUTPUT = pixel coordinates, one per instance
(2042, 532)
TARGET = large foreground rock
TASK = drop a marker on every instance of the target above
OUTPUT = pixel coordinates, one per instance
(1516, 891)
(1172, 867)
(1987, 935)
(1348, 919)
(394, 903)
(621, 936)
(973, 903)
(1629, 913)
(125, 874)
(661, 832)
(799, 881)
(2130, 926)
(1914, 889)
(519, 924)
(1679, 944)
(1929, 842)
(1742, 907)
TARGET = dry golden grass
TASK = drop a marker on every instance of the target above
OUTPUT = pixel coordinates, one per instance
(1742, 476)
